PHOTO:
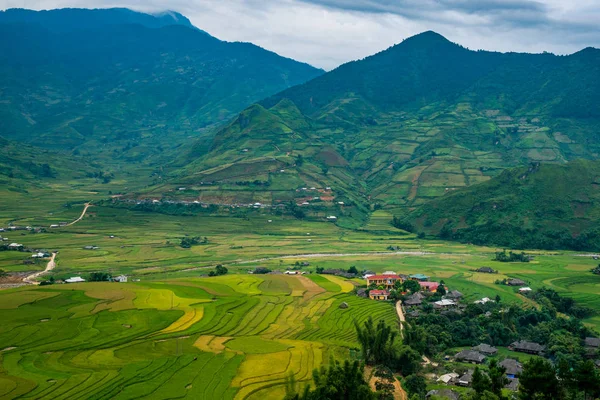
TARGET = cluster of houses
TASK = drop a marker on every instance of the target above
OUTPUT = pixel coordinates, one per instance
(478, 355)
(388, 281)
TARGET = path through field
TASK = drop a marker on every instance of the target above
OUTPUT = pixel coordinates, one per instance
(400, 315)
(85, 208)
(49, 267)
(324, 255)
(399, 393)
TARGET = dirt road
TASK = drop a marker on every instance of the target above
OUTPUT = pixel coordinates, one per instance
(400, 315)
(49, 267)
(324, 255)
(85, 208)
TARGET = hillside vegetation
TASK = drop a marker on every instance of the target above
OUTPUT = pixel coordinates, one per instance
(406, 126)
(124, 84)
(540, 206)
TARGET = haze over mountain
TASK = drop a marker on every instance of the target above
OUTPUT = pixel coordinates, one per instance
(407, 125)
(126, 83)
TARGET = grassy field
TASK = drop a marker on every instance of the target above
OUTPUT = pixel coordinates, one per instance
(177, 333)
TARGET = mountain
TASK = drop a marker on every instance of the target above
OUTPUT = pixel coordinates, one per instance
(405, 126)
(77, 19)
(548, 206)
(126, 85)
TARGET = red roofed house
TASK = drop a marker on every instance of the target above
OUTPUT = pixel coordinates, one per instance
(387, 281)
(379, 294)
(429, 286)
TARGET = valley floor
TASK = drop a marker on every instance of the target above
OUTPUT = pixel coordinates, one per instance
(176, 333)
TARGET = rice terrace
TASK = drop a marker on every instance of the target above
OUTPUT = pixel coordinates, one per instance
(188, 217)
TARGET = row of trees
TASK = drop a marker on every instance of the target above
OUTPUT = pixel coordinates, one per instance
(187, 241)
(502, 256)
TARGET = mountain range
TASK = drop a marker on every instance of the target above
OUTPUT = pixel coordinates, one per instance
(410, 124)
(171, 112)
(109, 81)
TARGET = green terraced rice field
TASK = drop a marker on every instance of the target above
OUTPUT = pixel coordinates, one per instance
(178, 334)
(197, 338)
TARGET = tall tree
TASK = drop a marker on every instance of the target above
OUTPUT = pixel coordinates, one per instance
(538, 381)
(337, 382)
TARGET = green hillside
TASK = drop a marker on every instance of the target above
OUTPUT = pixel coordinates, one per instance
(541, 206)
(405, 126)
(126, 85)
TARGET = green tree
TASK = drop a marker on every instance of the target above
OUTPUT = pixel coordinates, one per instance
(411, 286)
(377, 342)
(481, 382)
(538, 381)
(336, 382)
(408, 361)
(415, 385)
(497, 376)
(588, 380)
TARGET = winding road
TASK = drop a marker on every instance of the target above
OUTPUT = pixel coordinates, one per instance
(49, 267)
(85, 208)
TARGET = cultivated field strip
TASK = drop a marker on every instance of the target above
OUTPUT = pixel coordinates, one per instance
(234, 336)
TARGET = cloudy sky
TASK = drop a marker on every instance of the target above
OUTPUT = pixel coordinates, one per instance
(327, 33)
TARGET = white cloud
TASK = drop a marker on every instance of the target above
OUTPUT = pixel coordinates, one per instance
(327, 33)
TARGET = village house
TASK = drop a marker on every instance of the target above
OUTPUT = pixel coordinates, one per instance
(524, 290)
(379, 294)
(484, 301)
(386, 280)
(515, 282)
(413, 300)
(527, 347)
(445, 303)
(512, 366)
(592, 342)
(443, 394)
(453, 295)
(466, 379)
(15, 246)
(448, 378)
(429, 286)
(419, 277)
(121, 279)
(486, 349)
(75, 279)
(486, 270)
(470, 356)
(512, 385)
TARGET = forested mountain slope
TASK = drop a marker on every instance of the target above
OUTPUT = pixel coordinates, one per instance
(539, 206)
(123, 83)
(405, 126)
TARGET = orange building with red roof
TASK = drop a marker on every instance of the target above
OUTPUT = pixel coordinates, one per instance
(386, 280)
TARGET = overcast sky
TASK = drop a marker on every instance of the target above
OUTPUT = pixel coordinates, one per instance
(327, 33)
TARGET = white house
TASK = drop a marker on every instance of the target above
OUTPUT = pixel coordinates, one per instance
(332, 218)
(484, 300)
(121, 279)
(54, 226)
(525, 290)
(15, 245)
(75, 279)
(444, 303)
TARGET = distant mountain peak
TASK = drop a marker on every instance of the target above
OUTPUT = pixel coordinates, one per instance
(72, 19)
(426, 40)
